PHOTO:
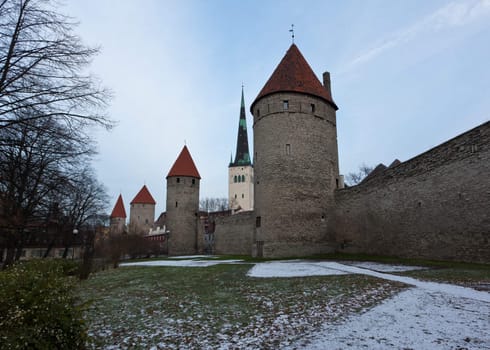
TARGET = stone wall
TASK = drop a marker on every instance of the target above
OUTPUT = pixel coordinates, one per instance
(182, 214)
(296, 173)
(141, 218)
(434, 206)
(233, 234)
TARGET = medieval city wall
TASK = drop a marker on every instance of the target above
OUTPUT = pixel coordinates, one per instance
(296, 173)
(233, 234)
(434, 206)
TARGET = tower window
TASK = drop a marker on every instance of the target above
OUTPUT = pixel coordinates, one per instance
(312, 108)
(176, 204)
(258, 112)
(239, 178)
(285, 105)
(258, 221)
(243, 178)
(243, 196)
(235, 179)
(235, 195)
(193, 181)
(178, 180)
(288, 149)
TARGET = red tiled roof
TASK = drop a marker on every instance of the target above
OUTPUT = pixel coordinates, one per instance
(184, 165)
(294, 74)
(119, 211)
(143, 197)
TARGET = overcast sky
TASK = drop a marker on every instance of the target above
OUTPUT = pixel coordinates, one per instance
(406, 75)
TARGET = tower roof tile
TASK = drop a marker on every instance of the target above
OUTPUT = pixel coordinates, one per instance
(143, 197)
(184, 165)
(294, 74)
(119, 211)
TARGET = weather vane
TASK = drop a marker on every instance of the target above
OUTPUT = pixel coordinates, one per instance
(292, 32)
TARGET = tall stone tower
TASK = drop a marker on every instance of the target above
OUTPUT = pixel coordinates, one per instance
(142, 212)
(295, 161)
(240, 171)
(118, 217)
(183, 205)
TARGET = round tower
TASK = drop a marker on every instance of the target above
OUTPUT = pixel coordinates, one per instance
(118, 217)
(295, 161)
(142, 212)
(182, 205)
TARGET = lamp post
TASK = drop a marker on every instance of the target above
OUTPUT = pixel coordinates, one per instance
(75, 234)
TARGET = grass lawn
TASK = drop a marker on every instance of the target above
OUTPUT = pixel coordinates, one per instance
(218, 306)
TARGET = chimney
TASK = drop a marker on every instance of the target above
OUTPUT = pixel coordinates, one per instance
(326, 82)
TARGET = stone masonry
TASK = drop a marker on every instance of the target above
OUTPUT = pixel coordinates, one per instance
(433, 206)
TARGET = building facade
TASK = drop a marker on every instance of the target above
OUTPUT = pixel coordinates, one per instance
(240, 170)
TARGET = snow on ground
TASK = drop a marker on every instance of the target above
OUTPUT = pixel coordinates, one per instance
(413, 319)
(430, 316)
(293, 268)
(427, 316)
(281, 269)
(182, 263)
(384, 267)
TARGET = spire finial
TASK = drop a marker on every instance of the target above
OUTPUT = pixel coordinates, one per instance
(292, 32)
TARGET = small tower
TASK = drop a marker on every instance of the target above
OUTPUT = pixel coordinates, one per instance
(142, 212)
(183, 205)
(295, 161)
(240, 172)
(118, 217)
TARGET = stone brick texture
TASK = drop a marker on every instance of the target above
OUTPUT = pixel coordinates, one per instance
(433, 206)
(141, 218)
(182, 214)
(233, 234)
(296, 169)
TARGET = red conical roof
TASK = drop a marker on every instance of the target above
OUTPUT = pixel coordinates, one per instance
(119, 211)
(184, 165)
(294, 74)
(143, 197)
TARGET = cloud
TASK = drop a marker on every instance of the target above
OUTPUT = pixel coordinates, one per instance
(454, 14)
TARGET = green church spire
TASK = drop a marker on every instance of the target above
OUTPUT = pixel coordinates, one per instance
(242, 155)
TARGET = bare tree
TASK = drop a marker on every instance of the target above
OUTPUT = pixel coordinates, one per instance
(356, 177)
(213, 204)
(42, 68)
(48, 103)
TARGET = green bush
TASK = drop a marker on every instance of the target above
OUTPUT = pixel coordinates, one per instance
(38, 307)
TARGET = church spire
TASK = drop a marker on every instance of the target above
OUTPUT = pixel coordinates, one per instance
(242, 155)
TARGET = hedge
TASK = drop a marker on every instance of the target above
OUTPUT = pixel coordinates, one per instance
(38, 307)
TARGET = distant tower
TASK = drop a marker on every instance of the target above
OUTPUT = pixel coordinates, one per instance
(183, 205)
(295, 160)
(142, 212)
(240, 172)
(118, 217)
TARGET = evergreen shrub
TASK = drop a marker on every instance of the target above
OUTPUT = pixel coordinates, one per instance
(38, 306)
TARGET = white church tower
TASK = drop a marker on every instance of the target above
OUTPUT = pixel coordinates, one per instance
(241, 171)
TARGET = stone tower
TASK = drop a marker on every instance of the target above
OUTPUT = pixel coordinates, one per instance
(240, 171)
(295, 161)
(142, 212)
(118, 217)
(183, 205)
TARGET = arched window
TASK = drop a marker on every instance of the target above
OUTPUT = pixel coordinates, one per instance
(239, 178)
(235, 179)
(243, 178)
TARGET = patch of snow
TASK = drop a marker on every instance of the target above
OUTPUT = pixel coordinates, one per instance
(293, 268)
(182, 263)
(325, 268)
(194, 257)
(380, 267)
(414, 319)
